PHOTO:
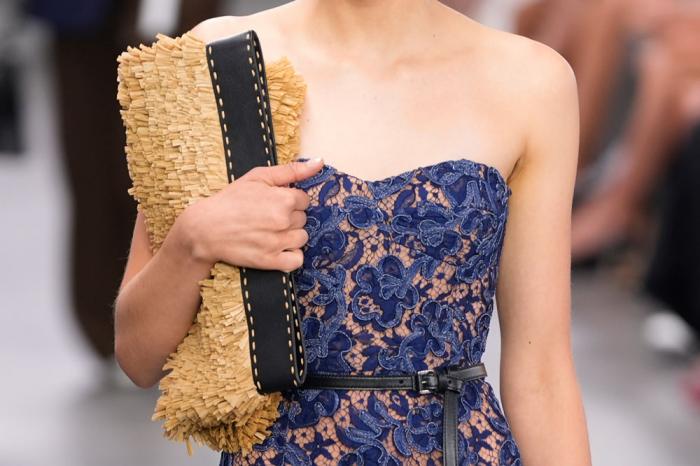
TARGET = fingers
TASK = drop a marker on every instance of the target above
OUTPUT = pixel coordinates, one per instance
(282, 250)
(294, 198)
(295, 239)
(284, 174)
(298, 219)
(291, 257)
(289, 261)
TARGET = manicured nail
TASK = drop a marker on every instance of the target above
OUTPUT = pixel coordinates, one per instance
(314, 160)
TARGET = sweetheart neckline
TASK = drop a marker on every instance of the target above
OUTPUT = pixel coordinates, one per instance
(499, 176)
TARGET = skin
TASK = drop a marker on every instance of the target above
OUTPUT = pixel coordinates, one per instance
(591, 34)
(552, 22)
(665, 109)
(159, 294)
(475, 92)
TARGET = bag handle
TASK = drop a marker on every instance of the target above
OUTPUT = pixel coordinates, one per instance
(237, 72)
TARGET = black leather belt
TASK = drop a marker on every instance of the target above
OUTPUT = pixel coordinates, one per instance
(444, 380)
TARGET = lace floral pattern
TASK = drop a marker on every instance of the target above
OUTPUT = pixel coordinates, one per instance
(399, 275)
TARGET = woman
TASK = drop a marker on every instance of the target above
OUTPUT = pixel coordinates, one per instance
(420, 113)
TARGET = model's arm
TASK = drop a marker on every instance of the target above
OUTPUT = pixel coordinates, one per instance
(256, 221)
(157, 301)
(539, 388)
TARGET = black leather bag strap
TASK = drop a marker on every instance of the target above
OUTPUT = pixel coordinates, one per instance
(238, 77)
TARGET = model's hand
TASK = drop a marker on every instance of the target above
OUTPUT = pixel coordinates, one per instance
(257, 221)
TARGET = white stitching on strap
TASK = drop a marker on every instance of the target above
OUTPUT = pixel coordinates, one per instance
(229, 163)
(268, 138)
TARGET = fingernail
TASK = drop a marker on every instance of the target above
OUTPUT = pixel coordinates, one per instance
(314, 160)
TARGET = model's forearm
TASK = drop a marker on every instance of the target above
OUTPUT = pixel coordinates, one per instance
(156, 308)
(544, 407)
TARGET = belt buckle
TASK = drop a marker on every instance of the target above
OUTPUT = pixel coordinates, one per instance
(421, 382)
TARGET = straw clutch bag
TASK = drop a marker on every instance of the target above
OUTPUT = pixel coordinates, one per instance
(197, 116)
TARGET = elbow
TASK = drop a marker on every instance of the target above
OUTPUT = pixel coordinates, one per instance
(137, 355)
(121, 354)
(136, 374)
(128, 360)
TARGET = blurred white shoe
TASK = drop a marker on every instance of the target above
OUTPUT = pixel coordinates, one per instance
(666, 332)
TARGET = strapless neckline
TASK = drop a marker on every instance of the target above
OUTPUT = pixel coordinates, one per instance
(488, 169)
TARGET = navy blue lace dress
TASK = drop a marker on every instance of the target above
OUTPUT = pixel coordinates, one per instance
(399, 275)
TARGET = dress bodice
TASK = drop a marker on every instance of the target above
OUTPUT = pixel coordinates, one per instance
(399, 275)
(402, 271)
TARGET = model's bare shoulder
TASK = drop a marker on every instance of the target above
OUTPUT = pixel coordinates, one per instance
(546, 95)
(532, 68)
(549, 97)
(535, 81)
(546, 73)
(265, 21)
(216, 28)
(531, 89)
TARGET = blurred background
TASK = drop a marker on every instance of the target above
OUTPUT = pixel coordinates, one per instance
(67, 222)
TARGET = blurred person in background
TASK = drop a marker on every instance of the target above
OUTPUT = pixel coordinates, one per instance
(88, 36)
(660, 132)
(673, 277)
(11, 139)
(463, 6)
(666, 65)
(600, 39)
(655, 151)
(592, 35)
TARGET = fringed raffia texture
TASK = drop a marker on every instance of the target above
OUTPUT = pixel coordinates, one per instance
(175, 156)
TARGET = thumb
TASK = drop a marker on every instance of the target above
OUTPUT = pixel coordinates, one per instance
(286, 173)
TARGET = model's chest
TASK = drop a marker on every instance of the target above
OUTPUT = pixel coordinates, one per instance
(374, 124)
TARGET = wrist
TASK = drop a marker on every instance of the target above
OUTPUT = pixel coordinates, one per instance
(190, 240)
